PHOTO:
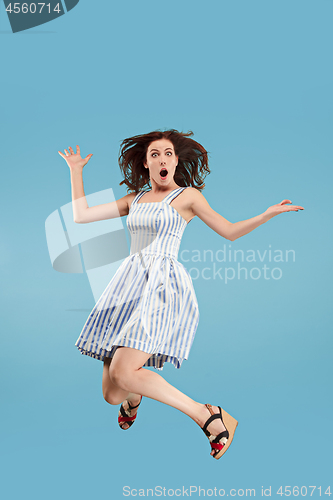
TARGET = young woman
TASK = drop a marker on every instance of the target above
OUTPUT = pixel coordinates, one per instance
(148, 314)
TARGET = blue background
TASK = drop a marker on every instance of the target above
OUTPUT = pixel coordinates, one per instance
(253, 80)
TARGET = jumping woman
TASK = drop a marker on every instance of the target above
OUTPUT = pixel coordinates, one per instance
(148, 313)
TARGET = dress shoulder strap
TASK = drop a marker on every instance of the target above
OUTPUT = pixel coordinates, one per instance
(168, 199)
(137, 197)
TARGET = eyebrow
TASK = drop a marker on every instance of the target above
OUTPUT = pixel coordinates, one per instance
(158, 149)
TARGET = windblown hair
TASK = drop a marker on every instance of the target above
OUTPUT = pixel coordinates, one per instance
(192, 165)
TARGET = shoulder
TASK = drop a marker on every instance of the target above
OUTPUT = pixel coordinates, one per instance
(131, 196)
(194, 201)
(193, 191)
(125, 202)
(199, 205)
(194, 195)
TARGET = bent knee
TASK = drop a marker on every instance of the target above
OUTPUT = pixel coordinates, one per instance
(120, 377)
(112, 398)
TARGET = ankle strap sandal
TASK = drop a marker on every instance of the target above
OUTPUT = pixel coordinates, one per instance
(222, 441)
(125, 416)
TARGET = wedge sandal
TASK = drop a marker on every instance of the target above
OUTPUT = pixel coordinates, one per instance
(222, 441)
(125, 415)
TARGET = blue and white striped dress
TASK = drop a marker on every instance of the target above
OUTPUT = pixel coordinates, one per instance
(150, 303)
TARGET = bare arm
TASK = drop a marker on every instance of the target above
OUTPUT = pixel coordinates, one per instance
(79, 202)
(82, 213)
(232, 231)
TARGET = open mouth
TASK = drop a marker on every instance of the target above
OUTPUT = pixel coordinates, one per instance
(163, 172)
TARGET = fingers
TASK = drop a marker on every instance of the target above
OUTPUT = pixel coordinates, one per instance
(76, 160)
(293, 208)
(289, 208)
(72, 152)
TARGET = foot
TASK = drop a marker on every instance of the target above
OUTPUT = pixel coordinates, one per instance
(134, 400)
(215, 427)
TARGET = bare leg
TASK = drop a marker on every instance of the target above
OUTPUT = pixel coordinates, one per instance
(111, 392)
(128, 376)
(114, 395)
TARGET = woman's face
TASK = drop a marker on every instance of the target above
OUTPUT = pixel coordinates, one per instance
(161, 159)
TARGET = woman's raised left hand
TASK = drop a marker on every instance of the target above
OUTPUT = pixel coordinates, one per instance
(282, 207)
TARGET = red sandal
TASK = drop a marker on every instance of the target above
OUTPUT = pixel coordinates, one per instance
(125, 415)
(222, 441)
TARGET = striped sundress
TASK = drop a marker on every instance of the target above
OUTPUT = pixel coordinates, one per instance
(150, 303)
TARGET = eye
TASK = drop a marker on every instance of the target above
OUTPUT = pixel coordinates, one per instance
(169, 152)
(154, 154)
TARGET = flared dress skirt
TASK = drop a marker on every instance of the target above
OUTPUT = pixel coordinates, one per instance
(150, 303)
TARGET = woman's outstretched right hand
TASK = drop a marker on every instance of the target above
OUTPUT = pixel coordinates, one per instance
(74, 160)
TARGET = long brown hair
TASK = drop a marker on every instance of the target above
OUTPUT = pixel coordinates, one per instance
(192, 165)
